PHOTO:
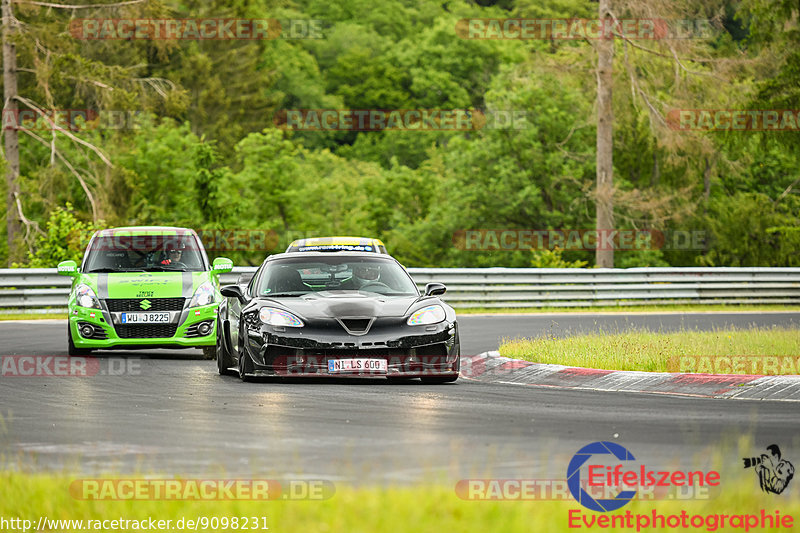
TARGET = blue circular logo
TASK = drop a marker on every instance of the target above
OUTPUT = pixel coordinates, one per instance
(574, 476)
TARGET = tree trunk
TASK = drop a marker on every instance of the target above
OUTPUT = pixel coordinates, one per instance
(656, 177)
(11, 135)
(604, 254)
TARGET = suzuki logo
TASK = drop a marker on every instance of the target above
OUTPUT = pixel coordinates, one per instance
(145, 304)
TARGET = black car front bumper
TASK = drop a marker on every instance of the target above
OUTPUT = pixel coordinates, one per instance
(409, 351)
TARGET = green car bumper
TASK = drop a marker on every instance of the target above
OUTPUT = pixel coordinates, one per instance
(190, 328)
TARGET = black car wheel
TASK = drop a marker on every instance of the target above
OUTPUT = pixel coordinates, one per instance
(446, 379)
(71, 349)
(245, 364)
(224, 361)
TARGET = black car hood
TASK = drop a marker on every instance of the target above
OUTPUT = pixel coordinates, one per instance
(338, 304)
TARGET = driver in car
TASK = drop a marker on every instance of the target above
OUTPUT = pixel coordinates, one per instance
(365, 275)
(174, 254)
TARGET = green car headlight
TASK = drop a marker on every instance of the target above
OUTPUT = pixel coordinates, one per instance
(427, 315)
(277, 317)
(204, 295)
(85, 297)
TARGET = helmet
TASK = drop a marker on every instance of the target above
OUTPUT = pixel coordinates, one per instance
(366, 271)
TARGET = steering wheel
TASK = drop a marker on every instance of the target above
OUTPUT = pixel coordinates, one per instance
(177, 264)
(377, 284)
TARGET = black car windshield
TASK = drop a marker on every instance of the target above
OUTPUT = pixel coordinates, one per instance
(123, 252)
(299, 276)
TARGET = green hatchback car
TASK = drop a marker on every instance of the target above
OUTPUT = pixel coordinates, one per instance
(144, 287)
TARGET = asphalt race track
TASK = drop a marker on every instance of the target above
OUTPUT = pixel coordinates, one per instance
(169, 412)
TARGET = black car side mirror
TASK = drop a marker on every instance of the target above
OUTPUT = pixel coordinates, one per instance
(435, 289)
(233, 291)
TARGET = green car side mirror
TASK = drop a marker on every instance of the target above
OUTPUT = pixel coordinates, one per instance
(221, 264)
(68, 268)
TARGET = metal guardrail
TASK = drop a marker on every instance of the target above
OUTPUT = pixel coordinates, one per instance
(42, 290)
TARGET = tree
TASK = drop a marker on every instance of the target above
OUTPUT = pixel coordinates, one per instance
(11, 137)
(605, 138)
(56, 76)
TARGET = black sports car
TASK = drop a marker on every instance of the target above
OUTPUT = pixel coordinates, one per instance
(336, 314)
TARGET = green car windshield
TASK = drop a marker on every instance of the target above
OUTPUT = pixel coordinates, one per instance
(300, 276)
(144, 253)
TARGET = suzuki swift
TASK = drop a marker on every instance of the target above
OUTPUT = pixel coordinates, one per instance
(144, 287)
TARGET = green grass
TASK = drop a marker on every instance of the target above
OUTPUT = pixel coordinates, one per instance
(650, 352)
(415, 509)
(683, 308)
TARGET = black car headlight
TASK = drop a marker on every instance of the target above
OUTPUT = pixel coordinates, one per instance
(432, 314)
(278, 317)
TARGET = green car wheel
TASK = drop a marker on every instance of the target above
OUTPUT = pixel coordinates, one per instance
(71, 349)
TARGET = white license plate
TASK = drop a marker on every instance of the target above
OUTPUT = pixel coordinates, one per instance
(367, 366)
(145, 318)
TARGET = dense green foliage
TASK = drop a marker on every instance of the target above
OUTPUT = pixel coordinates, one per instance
(201, 148)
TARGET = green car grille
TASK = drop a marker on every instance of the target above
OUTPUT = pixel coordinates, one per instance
(116, 305)
(145, 331)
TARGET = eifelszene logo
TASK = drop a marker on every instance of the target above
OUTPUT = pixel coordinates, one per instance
(574, 476)
(615, 478)
(774, 473)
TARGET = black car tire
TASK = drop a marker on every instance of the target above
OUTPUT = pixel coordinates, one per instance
(224, 360)
(245, 364)
(72, 350)
(446, 379)
(209, 352)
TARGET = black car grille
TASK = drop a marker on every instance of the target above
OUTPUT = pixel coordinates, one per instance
(356, 325)
(334, 354)
(145, 331)
(431, 350)
(117, 305)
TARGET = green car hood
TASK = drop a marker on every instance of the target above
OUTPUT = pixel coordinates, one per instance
(145, 284)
